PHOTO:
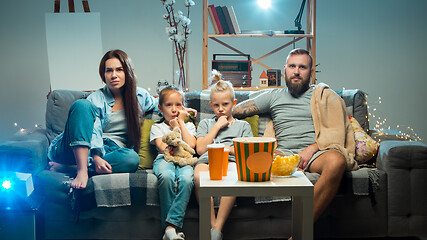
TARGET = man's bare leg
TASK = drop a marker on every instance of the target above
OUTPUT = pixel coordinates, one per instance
(331, 166)
(81, 154)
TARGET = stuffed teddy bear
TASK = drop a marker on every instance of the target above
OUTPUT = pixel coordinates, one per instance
(177, 150)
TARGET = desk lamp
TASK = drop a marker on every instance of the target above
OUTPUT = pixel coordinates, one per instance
(298, 21)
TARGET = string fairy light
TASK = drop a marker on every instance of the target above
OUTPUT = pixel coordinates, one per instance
(406, 133)
(23, 130)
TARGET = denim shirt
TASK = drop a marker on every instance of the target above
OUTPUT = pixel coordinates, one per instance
(103, 101)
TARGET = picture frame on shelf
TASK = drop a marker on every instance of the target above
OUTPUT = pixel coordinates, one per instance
(274, 77)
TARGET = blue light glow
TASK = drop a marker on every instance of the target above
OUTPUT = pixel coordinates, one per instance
(6, 184)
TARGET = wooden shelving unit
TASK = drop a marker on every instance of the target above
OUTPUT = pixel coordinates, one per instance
(291, 38)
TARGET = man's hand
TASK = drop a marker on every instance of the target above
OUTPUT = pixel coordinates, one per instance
(306, 154)
(101, 166)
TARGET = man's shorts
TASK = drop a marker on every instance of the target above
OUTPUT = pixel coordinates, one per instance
(317, 154)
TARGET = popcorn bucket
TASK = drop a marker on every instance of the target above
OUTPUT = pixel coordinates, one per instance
(254, 156)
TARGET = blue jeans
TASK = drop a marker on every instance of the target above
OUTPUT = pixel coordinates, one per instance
(175, 184)
(78, 133)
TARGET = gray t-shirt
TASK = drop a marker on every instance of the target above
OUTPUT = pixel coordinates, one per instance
(225, 135)
(116, 129)
(292, 119)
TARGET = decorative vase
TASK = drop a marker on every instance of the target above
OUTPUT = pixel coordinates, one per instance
(180, 69)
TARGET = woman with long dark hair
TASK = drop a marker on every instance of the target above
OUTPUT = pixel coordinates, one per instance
(102, 133)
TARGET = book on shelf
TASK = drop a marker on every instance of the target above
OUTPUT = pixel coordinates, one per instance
(222, 19)
(215, 14)
(228, 20)
(212, 18)
(234, 21)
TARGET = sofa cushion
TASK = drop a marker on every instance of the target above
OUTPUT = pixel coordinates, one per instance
(253, 121)
(147, 152)
(366, 147)
(58, 105)
(355, 102)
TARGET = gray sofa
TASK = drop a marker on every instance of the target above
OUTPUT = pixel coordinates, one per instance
(388, 199)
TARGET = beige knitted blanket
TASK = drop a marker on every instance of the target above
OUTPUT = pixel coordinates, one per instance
(332, 125)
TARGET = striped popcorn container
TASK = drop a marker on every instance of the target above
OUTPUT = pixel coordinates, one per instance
(254, 156)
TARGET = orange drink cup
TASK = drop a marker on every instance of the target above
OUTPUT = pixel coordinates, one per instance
(225, 162)
(215, 154)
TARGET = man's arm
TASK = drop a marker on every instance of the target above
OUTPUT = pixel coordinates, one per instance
(245, 109)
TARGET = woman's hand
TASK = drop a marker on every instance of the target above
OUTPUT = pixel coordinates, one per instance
(101, 166)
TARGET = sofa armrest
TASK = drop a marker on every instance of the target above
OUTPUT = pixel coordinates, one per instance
(405, 163)
(25, 151)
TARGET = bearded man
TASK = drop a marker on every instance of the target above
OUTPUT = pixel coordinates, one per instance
(310, 121)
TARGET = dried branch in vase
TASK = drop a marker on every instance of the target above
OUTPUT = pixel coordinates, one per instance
(178, 31)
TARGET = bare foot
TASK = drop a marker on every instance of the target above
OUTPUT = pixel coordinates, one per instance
(59, 167)
(80, 181)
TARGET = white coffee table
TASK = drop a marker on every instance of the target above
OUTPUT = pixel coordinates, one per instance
(297, 186)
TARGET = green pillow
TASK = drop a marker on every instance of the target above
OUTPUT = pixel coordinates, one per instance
(147, 152)
(191, 119)
(253, 121)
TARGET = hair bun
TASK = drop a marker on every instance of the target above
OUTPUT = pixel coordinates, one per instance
(216, 75)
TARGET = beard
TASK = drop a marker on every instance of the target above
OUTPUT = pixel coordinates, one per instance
(297, 89)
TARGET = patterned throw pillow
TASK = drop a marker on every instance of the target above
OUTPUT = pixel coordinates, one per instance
(366, 147)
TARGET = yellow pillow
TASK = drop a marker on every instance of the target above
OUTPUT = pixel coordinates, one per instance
(253, 121)
(147, 152)
(366, 147)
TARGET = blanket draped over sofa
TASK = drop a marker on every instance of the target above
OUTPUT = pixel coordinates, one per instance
(386, 199)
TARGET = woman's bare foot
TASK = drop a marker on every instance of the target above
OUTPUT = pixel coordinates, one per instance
(59, 167)
(80, 181)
